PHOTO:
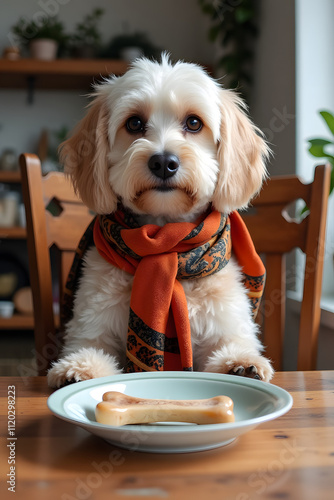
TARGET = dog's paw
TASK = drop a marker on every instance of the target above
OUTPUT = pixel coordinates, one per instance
(243, 364)
(84, 364)
(251, 371)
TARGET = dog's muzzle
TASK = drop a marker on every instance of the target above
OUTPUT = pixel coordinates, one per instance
(164, 165)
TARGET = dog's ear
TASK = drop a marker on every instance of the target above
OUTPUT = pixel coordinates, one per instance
(241, 155)
(85, 158)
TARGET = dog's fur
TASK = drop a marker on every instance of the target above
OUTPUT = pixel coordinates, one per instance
(222, 164)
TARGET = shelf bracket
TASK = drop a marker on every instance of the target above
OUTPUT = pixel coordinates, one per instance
(31, 80)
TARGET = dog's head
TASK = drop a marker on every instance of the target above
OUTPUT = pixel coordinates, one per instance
(165, 140)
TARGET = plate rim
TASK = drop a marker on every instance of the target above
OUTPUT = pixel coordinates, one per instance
(59, 396)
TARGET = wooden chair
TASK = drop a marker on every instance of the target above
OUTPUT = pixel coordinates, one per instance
(275, 234)
(63, 233)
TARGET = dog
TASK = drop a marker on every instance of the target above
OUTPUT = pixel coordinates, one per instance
(166, 141)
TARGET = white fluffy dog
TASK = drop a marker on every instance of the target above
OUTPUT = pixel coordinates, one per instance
(217, 156)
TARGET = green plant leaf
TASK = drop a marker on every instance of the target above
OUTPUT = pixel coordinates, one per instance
(319, 142)
(230, 63)
(207, 8)
(243, 14)
(214, 32)
(329, 119)
(304, 210)
(319, 152)
(237, 23)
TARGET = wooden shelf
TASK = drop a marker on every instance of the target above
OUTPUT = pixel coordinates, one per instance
(14, 177)
(57, 74)
(13, 233)
(33, 74)
(17, 322)
(22, 322)
(61, 74)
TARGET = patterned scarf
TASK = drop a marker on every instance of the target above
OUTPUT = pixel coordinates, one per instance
(159, 336)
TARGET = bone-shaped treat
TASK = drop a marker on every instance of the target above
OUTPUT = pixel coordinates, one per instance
(119, 409)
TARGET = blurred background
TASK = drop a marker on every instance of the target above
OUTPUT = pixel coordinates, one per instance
(278, 54)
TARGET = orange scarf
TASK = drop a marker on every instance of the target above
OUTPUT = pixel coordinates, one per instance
(159, 336)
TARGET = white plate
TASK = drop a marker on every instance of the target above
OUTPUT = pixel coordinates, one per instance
(254, 402)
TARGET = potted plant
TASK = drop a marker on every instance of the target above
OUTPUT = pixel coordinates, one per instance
(43, 39)
(235, 26)
(324, 148)
(130, 46)
(86, 40)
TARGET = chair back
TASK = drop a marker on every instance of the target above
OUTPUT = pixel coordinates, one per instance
(275, 233)
(56, 218)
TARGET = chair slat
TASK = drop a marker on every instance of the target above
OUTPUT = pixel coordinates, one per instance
(68, 227)
(57, 185)
(315, 250)
(272, 232)
(274, 308)
(284, 190)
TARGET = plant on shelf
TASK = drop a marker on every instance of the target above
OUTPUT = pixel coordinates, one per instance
(129, 46)
(42, 39)
(234, 25)
(86, 40)
(324, 148)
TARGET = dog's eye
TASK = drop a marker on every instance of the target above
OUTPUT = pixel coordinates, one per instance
(193, 124)
(135, 124)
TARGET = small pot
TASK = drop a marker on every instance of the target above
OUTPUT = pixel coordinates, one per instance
(11, 53)
(43, 48)
(9, 204)
(9, 160)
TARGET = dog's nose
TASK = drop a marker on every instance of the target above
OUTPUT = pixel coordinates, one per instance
(164, 165)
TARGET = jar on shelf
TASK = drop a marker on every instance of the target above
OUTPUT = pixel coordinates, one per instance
(9, 160)
(9, 205)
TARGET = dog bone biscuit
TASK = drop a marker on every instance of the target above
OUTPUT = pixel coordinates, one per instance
(119, 409)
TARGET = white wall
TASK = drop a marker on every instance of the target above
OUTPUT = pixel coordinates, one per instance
(314, 83)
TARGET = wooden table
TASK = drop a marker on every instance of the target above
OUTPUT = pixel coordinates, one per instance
(291, 457)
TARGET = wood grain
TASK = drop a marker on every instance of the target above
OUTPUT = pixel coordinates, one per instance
(275, 233)
(45, 230)
(290, 457)
(72, 67)
(60, 74)
(17, 322)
